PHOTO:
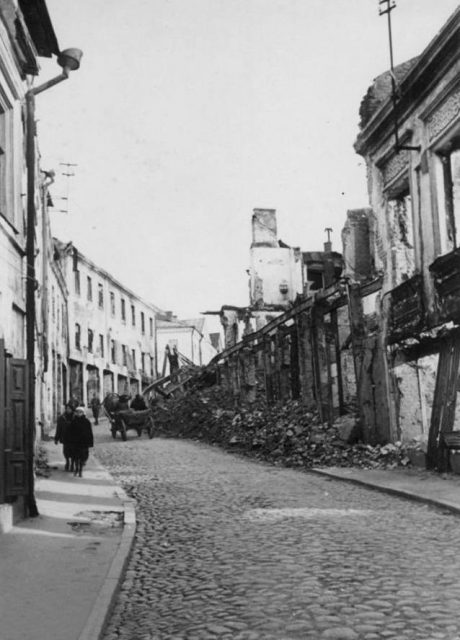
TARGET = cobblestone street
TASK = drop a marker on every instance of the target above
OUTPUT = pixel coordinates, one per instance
(228, 548)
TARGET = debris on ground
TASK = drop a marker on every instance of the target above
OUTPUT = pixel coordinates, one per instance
(286, 434)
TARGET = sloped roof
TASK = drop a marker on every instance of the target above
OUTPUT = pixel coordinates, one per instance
(380, 90)
(197, 323)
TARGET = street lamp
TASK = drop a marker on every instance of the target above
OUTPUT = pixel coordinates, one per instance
(69, 60)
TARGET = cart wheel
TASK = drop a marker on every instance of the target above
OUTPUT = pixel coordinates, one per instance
(124, 435)
(114, 433)
(150, 428)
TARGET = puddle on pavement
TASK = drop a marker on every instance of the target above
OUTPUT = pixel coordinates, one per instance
(272, 515)
(97, 523)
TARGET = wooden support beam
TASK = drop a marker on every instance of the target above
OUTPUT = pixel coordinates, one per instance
(444, 403)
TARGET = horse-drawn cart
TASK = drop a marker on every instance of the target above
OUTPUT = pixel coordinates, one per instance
(122, 418)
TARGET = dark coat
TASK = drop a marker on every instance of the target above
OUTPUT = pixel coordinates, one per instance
(80, 432)
(138, 404)
(63, 423)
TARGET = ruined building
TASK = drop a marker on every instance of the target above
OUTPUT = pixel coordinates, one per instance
(411, 145)
(379, 331)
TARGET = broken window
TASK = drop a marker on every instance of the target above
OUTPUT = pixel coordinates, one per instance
(451, 169)
(401, 236)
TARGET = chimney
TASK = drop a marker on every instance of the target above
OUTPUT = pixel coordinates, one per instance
(264, 232)
(329, 272)
(356, 245)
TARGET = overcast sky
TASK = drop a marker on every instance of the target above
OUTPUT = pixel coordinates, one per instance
(187, 114)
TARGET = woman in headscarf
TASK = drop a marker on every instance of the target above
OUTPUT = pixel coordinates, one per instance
(80, 439)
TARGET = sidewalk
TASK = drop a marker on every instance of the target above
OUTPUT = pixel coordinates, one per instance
(416, 484)
(60, 571)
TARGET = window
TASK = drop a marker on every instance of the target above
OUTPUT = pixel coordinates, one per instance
(133, 315)
(77, 336)
(451, 170)
(124, 355)
(112, 303)
(89, 289)
(101, 345)
(143, 361)
(142, 322)
(151, 327)
(90, 340)
(76, 274)
(133, 355)
(399, 216)
(123, 310)
(100, 295)
(151, 367)
(112, 351)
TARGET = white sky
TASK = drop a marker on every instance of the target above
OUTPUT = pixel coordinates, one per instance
(187, 114)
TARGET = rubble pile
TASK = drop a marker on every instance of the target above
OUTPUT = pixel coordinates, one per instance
(285, 434)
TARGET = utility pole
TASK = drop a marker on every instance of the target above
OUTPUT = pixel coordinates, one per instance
(68, 174)
(395, 96)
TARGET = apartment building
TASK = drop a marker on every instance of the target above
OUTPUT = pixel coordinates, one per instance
(112, 331)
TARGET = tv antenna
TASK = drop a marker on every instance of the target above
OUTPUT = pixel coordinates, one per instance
(395, 95)
(68, 173)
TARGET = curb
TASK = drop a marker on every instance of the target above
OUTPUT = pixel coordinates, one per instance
(105, 600)
(402, 493)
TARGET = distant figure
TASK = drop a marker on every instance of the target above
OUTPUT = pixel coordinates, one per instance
(173, 358)
(63, 423)
(138, 404)
(95, 405)
(80, 440)
(123, 402)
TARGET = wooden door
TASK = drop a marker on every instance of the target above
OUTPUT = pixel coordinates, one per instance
(17, 428)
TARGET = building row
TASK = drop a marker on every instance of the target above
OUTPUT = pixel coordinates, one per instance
(69, 330)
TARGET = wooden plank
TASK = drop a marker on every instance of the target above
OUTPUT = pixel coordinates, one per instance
(450, 401)
(438, 406)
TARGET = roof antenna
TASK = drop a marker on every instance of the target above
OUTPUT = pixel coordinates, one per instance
(390, 5)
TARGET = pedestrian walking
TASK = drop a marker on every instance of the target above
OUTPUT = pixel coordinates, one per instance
(80, 440)
(95, 404)
(61, 435)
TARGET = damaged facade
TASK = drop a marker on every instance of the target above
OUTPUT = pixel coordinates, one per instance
(413, 163)
(380, 337)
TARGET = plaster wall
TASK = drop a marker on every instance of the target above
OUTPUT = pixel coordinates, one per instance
(272, 268)
(415, 385)
(107, 321)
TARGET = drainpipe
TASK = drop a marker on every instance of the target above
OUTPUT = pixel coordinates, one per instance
(69, 60)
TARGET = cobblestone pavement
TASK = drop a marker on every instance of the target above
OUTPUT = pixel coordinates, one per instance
(228, 548)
